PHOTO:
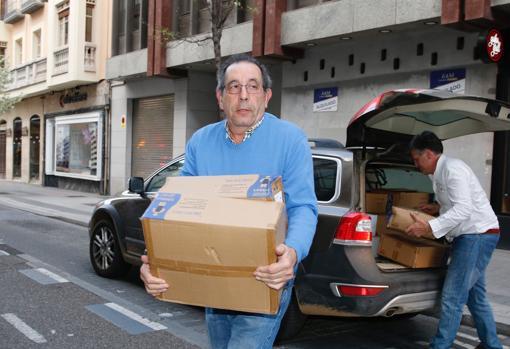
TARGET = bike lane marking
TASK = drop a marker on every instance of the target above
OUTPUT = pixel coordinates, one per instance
(124, 318)
(22, 327)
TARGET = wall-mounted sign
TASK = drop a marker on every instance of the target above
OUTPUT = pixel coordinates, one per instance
(491, 46)
(66, 99)
(325, 99)
(494, 45)
(453, 80)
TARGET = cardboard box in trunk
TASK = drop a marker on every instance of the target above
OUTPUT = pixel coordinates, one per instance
(401, 218)
(241, 186)
(208, 247)
(412, 252)
(376, 202)
(381, 225)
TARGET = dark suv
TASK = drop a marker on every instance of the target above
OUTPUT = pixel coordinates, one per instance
(342, 275)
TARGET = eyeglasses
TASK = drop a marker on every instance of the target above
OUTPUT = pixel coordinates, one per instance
(236, 88)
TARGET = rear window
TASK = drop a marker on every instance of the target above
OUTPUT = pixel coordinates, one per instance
(397, 178)
(325, 172)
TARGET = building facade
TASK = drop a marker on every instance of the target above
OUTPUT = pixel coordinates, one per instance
(352, 50)
(56, 134)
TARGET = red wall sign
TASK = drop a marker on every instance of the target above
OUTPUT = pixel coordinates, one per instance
(494, 45)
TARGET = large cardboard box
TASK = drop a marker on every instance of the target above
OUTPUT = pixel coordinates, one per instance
(401, 218)
(412, 252)
(240, 186)
(207, 248)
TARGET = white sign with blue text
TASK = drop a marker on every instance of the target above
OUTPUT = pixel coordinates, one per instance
(453, 80)
(325, 99)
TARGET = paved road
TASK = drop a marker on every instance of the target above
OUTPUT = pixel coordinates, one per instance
(51, 298)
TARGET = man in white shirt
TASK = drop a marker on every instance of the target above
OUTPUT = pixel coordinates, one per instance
(468, 222)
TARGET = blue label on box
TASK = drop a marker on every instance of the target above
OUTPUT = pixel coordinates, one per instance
(160, 205)
(262, 188)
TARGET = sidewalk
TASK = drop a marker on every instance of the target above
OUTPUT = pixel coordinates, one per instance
(76, 207)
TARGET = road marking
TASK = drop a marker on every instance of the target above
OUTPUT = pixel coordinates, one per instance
(26, 330)
(132, 315)
(3, 253)
(463, 345)
(51, 275)
(467, 336)
(124, 318)
(43, 276)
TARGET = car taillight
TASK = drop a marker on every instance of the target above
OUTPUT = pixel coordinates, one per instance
(355, 228)
(343, 290)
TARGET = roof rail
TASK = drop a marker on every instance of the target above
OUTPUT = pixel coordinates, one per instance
(324, 143)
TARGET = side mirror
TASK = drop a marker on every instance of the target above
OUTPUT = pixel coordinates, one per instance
(135, 185)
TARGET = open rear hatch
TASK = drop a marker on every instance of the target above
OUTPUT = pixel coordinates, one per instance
(396, 116)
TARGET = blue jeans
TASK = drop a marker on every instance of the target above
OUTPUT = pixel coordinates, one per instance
(232, 330)
(465, 284)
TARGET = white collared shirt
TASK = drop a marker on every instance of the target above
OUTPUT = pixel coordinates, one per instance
(465, 208)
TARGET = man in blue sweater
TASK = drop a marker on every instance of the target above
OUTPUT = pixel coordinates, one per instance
(251, 141)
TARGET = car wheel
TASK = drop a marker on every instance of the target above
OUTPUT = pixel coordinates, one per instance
(105, 253)
(292, 321)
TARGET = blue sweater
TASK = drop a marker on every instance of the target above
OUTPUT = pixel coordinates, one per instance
(277, 148)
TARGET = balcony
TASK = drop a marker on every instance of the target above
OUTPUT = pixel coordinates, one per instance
(89, 62)
(29, 6)
(28, 74)
(13, 12)
(61, 61)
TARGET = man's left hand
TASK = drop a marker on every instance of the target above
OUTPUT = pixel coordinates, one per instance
(277, 274)
(420, 228)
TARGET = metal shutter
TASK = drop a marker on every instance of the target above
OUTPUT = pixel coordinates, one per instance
(153, 121)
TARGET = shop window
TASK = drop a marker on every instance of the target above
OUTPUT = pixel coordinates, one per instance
(18, 51)
(16, 148)
(75, 146)
(36, 44)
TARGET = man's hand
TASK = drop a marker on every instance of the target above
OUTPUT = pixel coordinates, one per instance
(153, 285)
(420, 228)
(431, 209)
(277, 274)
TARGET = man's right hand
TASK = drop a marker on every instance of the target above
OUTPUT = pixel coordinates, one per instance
(153, 285)
(431, 209)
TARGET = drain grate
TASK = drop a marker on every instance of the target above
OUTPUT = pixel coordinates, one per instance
(2, 193)
(76, 196)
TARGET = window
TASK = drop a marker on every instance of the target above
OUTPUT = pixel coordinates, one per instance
(325, 174)
(88, 22)
(159, 179)
(63, 23)
(74, 146)
(16, 148)
(36, 44)
(2, 54)
(18, 52)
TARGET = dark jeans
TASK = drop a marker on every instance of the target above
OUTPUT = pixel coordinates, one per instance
(465, 284)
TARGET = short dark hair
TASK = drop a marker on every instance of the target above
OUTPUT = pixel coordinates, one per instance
(426, 140)
(242, 57)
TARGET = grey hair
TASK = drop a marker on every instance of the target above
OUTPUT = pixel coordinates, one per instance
(242, 57)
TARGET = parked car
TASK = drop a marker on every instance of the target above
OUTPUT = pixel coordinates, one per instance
(342, 275)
